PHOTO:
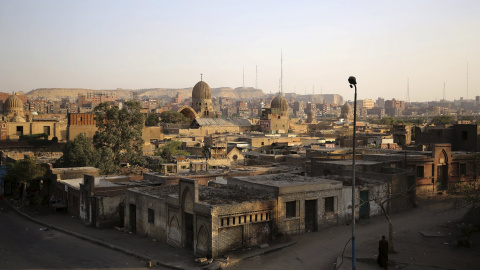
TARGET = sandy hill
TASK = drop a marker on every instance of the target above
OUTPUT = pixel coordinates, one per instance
(72, 93)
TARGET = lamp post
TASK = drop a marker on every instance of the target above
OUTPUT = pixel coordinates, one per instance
(353, 83)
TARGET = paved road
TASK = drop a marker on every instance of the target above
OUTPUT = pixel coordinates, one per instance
(24, 246)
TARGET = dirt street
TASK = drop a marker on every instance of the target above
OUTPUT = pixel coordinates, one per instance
(435, 216)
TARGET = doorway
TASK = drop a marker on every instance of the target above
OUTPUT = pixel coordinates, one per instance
(133, 218)
(310, 215)
(189, 231)
(441, 177)
(364, 205)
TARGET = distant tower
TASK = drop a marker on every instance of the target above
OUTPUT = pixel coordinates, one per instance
(281, 71)
(243, 84)
(444, 97)
(256, 77)
(408, 90)
(467, 79)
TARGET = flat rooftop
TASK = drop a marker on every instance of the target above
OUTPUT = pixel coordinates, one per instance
(99, 181)
(283, 180)
(210, 195)
(349, 162)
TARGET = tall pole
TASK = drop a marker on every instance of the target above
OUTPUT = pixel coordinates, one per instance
(353, 82)
(281, 72)
(467, 79)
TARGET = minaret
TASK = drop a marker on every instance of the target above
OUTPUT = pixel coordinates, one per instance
(256, 77)
(444, 96)
(408, 90)
(467, 79)
(281, 72)
(243, 82)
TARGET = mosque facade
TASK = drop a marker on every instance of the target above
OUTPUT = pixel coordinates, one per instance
(202, 106)
(275, 119)
(16, 122)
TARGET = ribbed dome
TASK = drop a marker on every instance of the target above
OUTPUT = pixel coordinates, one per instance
(201, 90)
(279, 102)
(13, 103)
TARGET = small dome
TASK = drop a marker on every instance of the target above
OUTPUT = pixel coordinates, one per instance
(279, 102)
(13, 102)
(18, 119)
(201, 90)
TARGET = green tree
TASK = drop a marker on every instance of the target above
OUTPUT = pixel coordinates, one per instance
(442, 120)
(79, 153)
(170, 150)
(152, 120)
(120, 131)
(173, 117)
(388, 121)
(22, 173)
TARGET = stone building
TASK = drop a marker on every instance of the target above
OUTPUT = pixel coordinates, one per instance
(97, 201)
(439, 169)
(248, 211)
(17, 122)
(462, 137)
(202, 106)
(275, 119)
(402, 134)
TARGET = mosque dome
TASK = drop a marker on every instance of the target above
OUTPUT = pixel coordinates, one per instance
(201, 90)
(279, 102)
(13, 104)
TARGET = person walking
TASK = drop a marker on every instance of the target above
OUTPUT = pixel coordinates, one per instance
(383, 252)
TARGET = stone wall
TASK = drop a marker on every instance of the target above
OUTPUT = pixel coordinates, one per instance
(156, 229)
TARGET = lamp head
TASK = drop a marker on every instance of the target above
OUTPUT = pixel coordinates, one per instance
(352, 80)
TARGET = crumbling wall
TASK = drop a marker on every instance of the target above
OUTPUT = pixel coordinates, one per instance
(145, 227)
(108, 211)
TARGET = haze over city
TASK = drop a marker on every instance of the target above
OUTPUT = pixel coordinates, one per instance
(148, 44)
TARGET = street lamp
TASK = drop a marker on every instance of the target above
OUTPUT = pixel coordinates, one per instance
(353, 82)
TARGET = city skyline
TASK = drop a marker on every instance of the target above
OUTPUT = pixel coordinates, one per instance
(124, 44)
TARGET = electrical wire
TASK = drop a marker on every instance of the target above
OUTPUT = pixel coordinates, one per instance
(343, 253)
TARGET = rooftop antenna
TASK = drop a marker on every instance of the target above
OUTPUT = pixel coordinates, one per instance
(408, 90)
(201, 76)
(467, 79)
(444, 98)
(243, 83)
(256, 77)
(321, 89)
(305, 89)
(281, 71)
(314, 89)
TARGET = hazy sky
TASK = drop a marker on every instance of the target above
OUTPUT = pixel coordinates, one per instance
(147, 44)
